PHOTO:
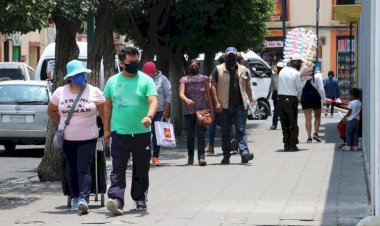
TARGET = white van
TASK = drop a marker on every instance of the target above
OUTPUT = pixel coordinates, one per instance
(45, 66)
(260, 79)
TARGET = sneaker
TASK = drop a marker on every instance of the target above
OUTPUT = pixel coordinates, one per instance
(355, 148)
(341, 146)
(202, 161)
(74, 203)
(114, 206)
(210, 149)
(316, 137)
(309, 140)
(83, 207)
(140, 205)
(346, 148)
(273, 127)
(156, 161)
(246, 157)
(190, 161)
(225, 160)
(331, 116)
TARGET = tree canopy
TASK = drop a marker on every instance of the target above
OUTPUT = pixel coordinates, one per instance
(25, 15)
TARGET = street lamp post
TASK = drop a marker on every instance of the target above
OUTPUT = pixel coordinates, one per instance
(317, 31)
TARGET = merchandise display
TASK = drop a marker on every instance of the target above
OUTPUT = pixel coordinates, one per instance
(302, 41)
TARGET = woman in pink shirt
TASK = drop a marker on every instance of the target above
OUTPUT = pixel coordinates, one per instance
(81, 134)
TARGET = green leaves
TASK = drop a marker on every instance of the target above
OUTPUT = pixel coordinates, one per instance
(25, 15)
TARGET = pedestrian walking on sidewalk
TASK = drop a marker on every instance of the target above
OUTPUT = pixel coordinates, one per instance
(289, 91)
(313, 93)
(273, 92)
(164, 92)
(81, 132)
(331, 86)
(194, 91)
(131, 104)
(230, 89)
(352, 119)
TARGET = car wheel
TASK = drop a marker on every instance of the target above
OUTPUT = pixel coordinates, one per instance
(10, 146)
(263, 110)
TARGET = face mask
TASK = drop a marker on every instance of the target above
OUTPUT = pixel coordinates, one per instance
(194, 71)
(79, 79)
(132, 68)
(231, 61)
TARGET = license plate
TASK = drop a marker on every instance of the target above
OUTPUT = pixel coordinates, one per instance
(18, 118)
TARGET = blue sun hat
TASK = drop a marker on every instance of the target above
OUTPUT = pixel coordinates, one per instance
(75, 67)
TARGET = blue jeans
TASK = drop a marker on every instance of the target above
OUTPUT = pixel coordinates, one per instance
(352, 132)
(212, 131)
(236, 116)
(79, 156)
(156, 148)
(191, 126)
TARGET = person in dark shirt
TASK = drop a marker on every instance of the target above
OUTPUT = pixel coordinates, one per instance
(332, 91)
(230, 88)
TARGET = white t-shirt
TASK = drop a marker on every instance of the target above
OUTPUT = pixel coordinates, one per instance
(356, 107)
(289, 82)
(83, 122)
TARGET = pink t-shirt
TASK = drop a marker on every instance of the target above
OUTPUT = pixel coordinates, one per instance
(83, 122)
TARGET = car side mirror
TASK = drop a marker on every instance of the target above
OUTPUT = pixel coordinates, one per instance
(254, 83)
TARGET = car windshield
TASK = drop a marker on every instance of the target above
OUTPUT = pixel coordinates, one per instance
(11, 74)
(24, 94)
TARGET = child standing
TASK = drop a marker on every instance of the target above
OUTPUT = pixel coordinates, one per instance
(352, 119)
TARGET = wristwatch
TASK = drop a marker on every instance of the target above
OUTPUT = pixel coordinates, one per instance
(151, 117)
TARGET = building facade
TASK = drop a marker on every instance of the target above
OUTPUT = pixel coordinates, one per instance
(337, 41)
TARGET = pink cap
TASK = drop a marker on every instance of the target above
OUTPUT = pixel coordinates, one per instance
(149, 68)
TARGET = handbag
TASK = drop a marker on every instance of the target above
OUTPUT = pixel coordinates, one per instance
(203, 118)
(164, 132)
(59, 134)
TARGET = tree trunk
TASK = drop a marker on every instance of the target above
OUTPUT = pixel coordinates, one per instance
(103, 46)
(208, 63)
(163, 61)
(66, 49)
(175, 73)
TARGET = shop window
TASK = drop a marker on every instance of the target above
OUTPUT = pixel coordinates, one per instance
(345, 64)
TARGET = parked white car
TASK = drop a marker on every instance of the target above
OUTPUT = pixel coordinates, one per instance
(23, 112)
(16, 71)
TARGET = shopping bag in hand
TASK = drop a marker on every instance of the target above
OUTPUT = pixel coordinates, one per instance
(165, 134)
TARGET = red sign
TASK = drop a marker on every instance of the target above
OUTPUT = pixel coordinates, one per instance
(277, 13)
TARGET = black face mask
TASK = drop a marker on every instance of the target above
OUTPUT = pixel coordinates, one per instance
(132, 68)
(194, 71)
(231, 61)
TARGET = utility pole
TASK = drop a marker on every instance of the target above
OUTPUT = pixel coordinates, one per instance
(284, 21)
(317, 31)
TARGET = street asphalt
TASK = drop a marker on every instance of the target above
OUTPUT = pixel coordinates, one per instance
(318, 185)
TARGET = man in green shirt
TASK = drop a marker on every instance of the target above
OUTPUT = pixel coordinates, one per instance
(131, 103)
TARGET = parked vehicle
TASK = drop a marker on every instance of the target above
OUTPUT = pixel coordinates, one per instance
(23, 107)
(45, 66)
(16, 71)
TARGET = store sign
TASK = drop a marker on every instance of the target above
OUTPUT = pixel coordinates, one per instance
(15, 37)
(274, 44)
(277, 13)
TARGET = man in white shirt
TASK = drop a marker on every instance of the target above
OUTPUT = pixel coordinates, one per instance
(289, 91)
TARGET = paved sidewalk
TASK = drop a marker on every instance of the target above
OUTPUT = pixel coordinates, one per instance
(318, 185)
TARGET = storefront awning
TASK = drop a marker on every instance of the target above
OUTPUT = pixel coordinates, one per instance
(347, 14)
